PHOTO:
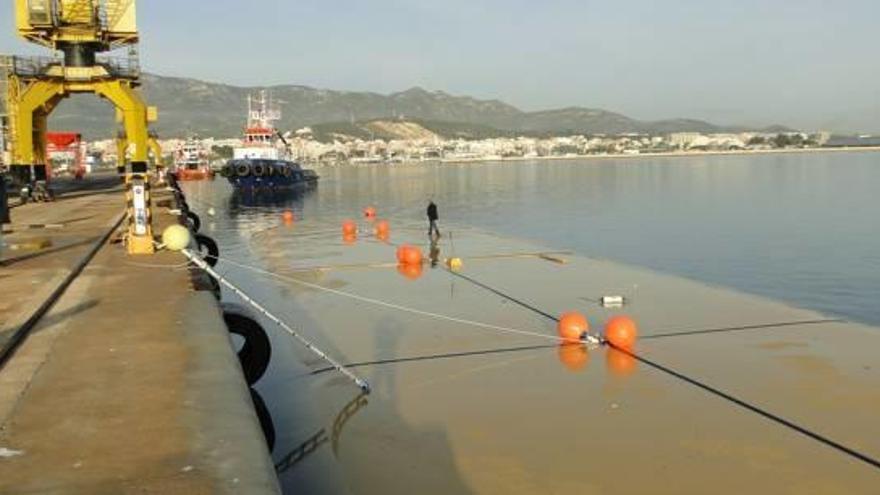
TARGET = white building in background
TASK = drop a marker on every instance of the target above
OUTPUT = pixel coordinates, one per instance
(684, 139)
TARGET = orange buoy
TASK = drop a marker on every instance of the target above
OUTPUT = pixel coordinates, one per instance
(620, 363)
(349, 238)
(349, 228)
(370, 212)
(382, 228)
(574, 356)
(410, 271)
(288, 217)
(413, 256)
(622, 332)
(572, 326)
(409, 255)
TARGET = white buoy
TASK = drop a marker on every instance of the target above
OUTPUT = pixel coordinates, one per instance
(211, 212)
(176, 237)
(612, 301)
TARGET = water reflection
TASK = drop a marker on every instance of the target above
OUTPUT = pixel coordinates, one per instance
(246, 206)
(410, 271)
(314, 442)
(434, 253)
(619, 363)
(575, 357)
(267, 198)
(349, 239)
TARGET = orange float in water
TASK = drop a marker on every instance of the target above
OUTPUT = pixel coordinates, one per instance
(410, 271)
(288, 217)
(622, 332)
(382, 226)
(370, 212)
(572, 326)
(409, 255)
(349, 228)
(620, 363)
(573, 356)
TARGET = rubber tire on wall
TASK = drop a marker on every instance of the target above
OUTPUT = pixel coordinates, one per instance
(266, 423)
(215, 288)
(259, 170)
(194, 221)
(256, 352)
(203, 241)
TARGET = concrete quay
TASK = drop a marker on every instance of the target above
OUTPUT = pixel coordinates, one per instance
(129, 383)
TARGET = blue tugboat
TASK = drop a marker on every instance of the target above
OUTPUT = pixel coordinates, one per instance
(262, 163)
(260, 174)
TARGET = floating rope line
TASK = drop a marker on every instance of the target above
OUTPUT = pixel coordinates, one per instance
(405, 309)
(172, 267)
(362, 384)
(367, 266)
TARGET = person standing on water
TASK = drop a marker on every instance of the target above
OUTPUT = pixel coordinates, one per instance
(432, 220)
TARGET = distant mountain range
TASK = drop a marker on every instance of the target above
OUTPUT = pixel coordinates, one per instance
(189, 106)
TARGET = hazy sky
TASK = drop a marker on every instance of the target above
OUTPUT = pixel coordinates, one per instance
(806, 63)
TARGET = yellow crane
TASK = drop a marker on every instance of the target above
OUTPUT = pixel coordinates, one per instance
(84, 35)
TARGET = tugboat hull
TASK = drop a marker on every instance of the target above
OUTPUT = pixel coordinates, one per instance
(272, 176)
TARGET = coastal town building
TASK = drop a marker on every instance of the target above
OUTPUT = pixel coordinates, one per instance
(306, 148)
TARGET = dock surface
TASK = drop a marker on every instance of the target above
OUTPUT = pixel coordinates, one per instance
(129, 383)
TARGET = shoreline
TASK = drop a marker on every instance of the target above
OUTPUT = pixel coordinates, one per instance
(616, 156)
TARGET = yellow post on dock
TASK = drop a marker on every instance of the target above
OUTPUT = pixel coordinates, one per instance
(84, 31)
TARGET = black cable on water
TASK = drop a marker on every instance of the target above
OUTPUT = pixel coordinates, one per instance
(743, 328)
(755, 409)
(434, 357)
(703, 386)
(505, 296)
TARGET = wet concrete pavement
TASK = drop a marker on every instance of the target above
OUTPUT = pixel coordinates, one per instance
(45, 241)
(129, 384)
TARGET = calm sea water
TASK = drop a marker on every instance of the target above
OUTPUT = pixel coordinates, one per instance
(801, 228)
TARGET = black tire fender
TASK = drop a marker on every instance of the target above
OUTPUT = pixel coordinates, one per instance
(205, 243)
(194, 221)
(256, 353)
(266, 423)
